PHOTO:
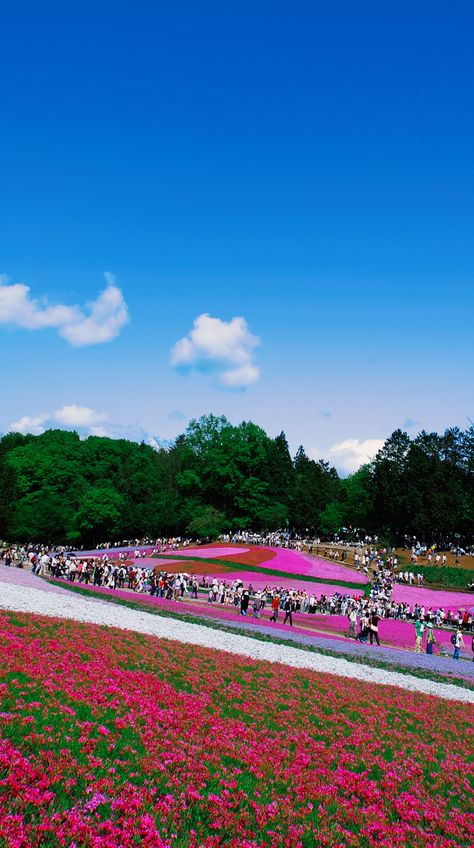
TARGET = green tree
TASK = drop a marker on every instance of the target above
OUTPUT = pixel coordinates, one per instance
(207, 522)
(41, 517)
(100, 514)
(357, 499)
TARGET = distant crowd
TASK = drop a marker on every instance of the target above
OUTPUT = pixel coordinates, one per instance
(122, 570)
(277, 539)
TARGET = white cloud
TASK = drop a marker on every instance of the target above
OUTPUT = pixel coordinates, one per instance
(238, 377)
(107, 315)
(78, 416)
(98, 431)
(87, 422)
(225, 346)
(99, 321)
(29, 424)
(349, 455)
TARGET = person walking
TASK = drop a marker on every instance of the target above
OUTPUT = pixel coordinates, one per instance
(352, 623)
(374, 628)
(419, 630)
(288, 608)
(363, 633)
(458, 644)
(244, 602)
(275, 608)
(430, 638)
(257, 605)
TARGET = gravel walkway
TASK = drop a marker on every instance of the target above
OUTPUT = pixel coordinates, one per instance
(23, 592)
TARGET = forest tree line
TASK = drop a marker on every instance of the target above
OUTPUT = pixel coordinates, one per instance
(216, 477)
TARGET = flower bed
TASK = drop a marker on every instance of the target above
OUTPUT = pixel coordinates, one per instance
(282, 559)
(256, 555)
(259, 581)
(400, 634)
(214, 611)
(211, 552)
(297, 563)
(114, 739)
(199, 567)
(392, 633)
(433, 598)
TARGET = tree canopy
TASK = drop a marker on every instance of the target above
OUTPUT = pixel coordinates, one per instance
(216, 476)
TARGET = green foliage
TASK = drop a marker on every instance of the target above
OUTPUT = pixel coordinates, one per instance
(332, 518)
(315, 486)
(357, 498)
(453, 578)
(424, 487)
(100, 513)
(57, 487)
(207, 522)
(217, 476)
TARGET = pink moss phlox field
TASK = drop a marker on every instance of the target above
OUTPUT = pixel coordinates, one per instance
(298, 563)
(214, 611)
(273, 559)
(399, 634)
(282, 559)
(212, 552)
(112, 739)
(259, 581)
(433, 598)
(392, 633)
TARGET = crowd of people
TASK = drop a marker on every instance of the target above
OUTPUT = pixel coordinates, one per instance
(277, 539)
(122, 570)
(29, 555)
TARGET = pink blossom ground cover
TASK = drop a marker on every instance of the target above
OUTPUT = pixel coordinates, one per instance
(392, 633)
(283, 559)
(259, 581)
(273, 559)
(216, 611)
(433, 597)
(211, 552)
(277, 559)
(112, 739)
(298, 563)
(399, 634)
(153, 562)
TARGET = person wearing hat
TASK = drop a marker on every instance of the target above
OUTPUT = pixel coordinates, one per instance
(430, 638)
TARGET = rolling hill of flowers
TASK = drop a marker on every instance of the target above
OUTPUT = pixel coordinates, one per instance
(276, 560)
(111, 740)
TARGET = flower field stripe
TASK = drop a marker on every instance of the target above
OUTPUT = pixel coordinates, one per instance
(304, 584)
(199, 611)
(94, 611)
(433, 597)
(113, 739)
(272, 572)
(405, 663)
(393, 633)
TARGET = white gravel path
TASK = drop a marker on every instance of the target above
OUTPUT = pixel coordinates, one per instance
(67, 605)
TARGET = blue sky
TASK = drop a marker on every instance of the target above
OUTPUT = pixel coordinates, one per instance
(307, 168)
